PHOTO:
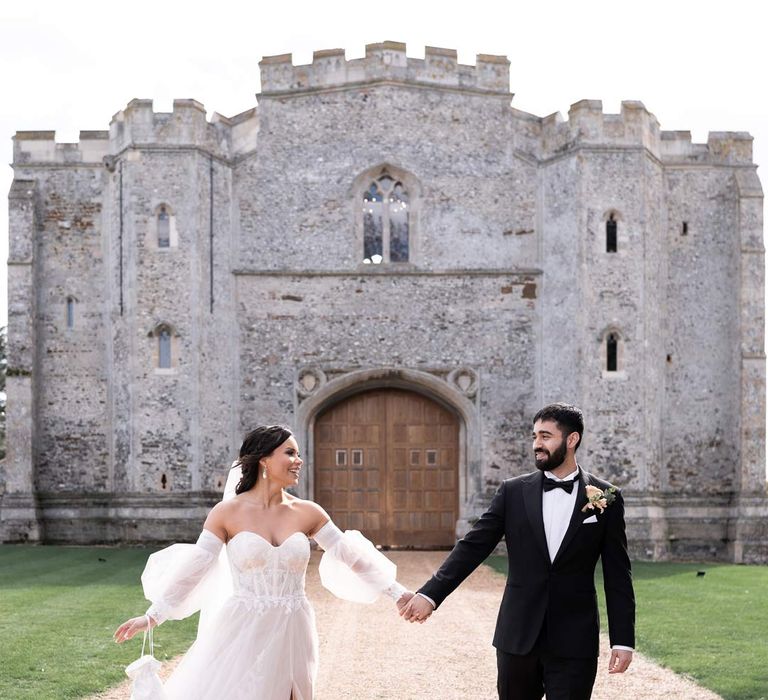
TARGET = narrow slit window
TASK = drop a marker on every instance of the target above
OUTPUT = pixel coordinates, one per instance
(163, 228)
(612, 352)
(164, 349)
(611, 235)
(70, 312)
(685, 228)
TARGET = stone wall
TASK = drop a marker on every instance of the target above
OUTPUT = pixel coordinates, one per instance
(300, 194)
(481, 322)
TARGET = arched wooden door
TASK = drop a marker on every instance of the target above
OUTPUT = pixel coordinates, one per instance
(386, 463)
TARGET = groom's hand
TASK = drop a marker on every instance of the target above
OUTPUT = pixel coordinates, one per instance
(620, 660)
(417, 610)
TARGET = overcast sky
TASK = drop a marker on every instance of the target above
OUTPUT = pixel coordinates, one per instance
(68, 66)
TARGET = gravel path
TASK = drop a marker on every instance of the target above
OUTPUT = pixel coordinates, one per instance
(369, 653)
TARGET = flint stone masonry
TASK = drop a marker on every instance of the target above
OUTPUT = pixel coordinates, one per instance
(504, 304)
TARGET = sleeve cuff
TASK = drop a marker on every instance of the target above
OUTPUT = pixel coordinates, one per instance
(395, 591)
(619, 646)
(429, 600)
(155, 613)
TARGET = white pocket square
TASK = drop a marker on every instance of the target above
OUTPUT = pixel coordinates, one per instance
(590, 519)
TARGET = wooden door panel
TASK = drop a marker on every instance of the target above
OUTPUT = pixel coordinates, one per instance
(386, 464)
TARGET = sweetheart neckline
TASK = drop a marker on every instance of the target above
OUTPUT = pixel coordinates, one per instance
(261, 537)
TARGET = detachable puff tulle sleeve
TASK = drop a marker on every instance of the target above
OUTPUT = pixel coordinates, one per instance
(353, 569)
(181, 578)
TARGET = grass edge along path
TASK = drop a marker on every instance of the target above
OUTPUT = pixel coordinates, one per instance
(712, 627)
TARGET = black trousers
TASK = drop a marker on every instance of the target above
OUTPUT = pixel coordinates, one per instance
(529, 676)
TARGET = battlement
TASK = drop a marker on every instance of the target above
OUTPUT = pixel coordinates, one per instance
(41, 147)
(723, 147)
(385, 61)
(636, 126)
(588, 125)
(138, 124)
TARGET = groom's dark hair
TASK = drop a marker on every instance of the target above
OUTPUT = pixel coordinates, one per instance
(568, 418)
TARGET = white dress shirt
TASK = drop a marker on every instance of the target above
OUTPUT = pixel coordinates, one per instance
(556, 510)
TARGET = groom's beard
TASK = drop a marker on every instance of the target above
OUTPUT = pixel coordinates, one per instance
(553, 460)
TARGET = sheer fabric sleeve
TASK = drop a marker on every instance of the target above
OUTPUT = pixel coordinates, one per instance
(180, 579)
(353, 569)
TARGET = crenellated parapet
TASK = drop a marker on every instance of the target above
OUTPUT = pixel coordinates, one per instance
(41, 147)
(384, 62)
(635, 126)
(721, 148)
(588, 125)
(139, 125)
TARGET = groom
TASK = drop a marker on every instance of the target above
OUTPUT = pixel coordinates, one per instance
(547, 630)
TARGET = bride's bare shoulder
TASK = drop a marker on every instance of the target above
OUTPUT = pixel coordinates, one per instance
(224, 507)
(310, 510)
(218, 519)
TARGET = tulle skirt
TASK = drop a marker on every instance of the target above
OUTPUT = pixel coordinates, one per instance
(253, 649)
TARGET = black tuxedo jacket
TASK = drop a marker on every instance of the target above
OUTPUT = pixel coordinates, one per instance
(561, 593)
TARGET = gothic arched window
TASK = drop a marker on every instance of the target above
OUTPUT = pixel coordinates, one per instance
(163, 227)
(386, 221)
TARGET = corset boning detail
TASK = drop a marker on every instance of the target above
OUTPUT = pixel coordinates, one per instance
(264, 575)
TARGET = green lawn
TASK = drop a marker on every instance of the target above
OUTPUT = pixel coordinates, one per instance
(58, 609)
(713, 628)
(60, 605)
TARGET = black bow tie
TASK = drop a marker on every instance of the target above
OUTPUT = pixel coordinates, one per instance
(550, 484)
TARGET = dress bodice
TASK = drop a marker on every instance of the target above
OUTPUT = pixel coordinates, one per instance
(267, 573)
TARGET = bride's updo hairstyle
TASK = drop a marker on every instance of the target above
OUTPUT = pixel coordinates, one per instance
(259, 443)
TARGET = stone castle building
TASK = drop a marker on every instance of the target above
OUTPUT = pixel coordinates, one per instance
(389, 257)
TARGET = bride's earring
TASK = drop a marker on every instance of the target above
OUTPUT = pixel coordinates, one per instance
(264, 473)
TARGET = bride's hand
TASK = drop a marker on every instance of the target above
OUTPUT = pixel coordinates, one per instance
(132, 627)
(403, 601)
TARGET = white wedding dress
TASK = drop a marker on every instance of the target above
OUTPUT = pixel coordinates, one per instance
(257, 638)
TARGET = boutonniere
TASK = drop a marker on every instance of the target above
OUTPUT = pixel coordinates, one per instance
(599, 499)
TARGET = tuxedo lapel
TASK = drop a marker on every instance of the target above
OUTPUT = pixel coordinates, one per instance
(532, 492)
(577, 516)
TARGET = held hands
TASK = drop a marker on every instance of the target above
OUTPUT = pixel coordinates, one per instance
(402, 601)
(132, 627)
(620, 660)
(417, 609)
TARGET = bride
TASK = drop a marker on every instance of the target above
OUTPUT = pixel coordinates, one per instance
(256, 637)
